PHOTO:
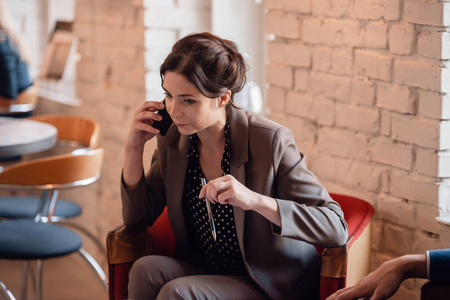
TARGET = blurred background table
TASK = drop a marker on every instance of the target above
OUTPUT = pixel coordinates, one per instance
(23, 136)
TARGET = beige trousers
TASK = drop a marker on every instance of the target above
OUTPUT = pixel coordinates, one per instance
(162, 278)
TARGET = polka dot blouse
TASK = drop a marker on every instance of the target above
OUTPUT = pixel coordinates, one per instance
(222, 256)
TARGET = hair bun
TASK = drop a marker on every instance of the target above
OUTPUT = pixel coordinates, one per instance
(214, 65)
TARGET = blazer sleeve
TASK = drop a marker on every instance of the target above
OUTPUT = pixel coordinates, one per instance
(307, 211)
(143, 204)
(439, 261)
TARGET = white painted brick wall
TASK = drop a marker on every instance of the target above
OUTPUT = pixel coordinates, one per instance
(377, 91)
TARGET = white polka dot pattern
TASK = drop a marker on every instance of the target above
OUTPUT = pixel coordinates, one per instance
(224, 255)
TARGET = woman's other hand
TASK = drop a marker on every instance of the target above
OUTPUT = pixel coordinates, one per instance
(227, 190)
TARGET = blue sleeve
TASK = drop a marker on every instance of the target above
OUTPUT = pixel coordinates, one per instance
(439, 265)
(8, 80)
(14, 76)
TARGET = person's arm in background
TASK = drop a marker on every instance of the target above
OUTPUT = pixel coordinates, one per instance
(387, 278)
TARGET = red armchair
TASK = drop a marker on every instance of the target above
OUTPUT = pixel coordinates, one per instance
(340, 266)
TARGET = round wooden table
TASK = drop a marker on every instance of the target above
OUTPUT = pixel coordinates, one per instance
(23, 136)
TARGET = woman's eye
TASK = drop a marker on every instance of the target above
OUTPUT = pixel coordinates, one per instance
(168, 95)
(188, 101)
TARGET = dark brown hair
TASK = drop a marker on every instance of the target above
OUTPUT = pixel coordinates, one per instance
(209, 62)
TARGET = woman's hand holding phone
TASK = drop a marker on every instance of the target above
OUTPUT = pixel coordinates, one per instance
(141, 127)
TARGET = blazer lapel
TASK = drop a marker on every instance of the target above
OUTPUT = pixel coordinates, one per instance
(239, 156)
(176, 170)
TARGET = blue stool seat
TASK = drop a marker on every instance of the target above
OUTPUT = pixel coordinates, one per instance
(26, 240)
(26, 207)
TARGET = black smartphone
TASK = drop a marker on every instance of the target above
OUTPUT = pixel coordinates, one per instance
(164, 124)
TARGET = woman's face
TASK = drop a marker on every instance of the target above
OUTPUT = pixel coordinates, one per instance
(190, 110)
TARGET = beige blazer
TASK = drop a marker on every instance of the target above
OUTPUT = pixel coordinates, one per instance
(266, 160)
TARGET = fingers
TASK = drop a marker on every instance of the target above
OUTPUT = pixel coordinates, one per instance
(217, 190)
(336, 294)
(146, 114)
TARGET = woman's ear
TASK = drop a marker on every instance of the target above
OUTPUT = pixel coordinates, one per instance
(224, 99)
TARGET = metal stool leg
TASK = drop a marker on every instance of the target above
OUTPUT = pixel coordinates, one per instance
(5, 292)
(38, 282)
(101, 276)
(23, 288)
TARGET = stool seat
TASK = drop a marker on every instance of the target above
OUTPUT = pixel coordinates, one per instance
(26, 207)
(27, 240)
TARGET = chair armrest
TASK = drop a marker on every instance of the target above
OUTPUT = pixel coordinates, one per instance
(334, 262)
(435, 290)
(127, 244)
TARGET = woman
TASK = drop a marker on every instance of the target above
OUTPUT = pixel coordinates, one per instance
(14, 76)
(268, 209)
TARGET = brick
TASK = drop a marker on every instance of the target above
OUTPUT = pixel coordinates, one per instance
(300, 104)
(331, 32)
(301, 79)
(385, 123)
(303, 130)
(359, 119)
(324, 111)
(393, 154)
(321, 59)
(335, 141)
(276, 98)
(135, 78)
(353, 33)
(291, 54)
(413, 187)
(358, 175)
(84, 31)
(342, 8)
(402, 39)
(274, 4)
(373, 65)
(396, 210)
(430, 44)
(398, 240)
(377, 9)
(342, 61)
(321, 7)
(311, 30)
(324, 166)
(283, 25)
(91, 71)
(331, 86)
(418, 74)
(396, 98)
(430, 163)
(279, 75)
(425, 13)
(416, 131)
(434, 105)
(375, 35)
(425, 241)
(304, 6)
(363, 91)
(134, 37)
(359, 148)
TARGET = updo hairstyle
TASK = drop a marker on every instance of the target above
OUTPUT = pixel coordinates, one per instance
(211, 63)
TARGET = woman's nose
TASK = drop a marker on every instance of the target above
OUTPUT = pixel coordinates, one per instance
(173, 110)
